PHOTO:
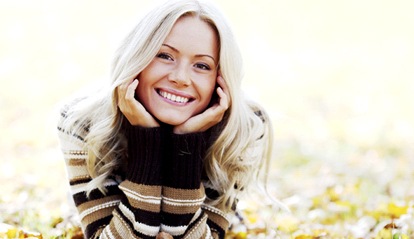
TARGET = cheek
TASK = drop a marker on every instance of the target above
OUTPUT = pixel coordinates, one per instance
(208, 92)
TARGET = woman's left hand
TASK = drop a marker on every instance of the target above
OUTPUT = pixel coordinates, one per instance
(211, 116)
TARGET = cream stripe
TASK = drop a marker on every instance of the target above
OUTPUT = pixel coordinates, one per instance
(141, 227)
(196, 215)
(180, 230)
(109, 232)
(174, 231)
(216, 211)
(182, 202)
(78, 188)
(76, 171)
(103, 235)
(140, 197)
(69, 155)
(208, 234)
(198, 230)
(120, 226)
(70, 143)
(83, 187)
(97, 208)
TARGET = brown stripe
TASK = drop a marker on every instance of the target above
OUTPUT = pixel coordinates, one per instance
(73, 181)
(148, 190)
(215, 235)
(217, 219)
(185, 194)
(179, 209)
(84, 206)
(145, 190)
(156, 208)
(97, 215)
(77, 162)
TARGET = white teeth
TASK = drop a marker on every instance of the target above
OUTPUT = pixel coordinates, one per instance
(174, 98)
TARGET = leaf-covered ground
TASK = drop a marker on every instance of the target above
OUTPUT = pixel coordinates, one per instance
(335, 76)
(343, 193)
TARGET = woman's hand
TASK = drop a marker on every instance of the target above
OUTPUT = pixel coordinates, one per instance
(133, 110)
(211, 116)
(164, 235)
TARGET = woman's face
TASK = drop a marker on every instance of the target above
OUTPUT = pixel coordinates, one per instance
(180, 80)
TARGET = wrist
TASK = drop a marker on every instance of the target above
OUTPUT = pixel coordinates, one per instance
(144, 155)
(183, 166)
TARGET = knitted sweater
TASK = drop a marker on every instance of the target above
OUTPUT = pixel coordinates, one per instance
(159, 190)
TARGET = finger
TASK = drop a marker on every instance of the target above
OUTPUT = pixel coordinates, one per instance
(223, 85)
(130, 91)
(224, 99)
(121, 90)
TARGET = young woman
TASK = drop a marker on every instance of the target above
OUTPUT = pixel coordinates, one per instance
(171, 144)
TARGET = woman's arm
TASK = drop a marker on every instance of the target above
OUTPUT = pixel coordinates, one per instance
(184, 213)
(129, 208)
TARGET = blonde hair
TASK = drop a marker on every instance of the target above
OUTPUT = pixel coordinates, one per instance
(229, 164)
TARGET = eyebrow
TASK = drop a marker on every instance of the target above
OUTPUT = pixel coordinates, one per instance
(197, 55)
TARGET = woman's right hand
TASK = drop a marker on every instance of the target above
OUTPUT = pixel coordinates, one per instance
(133, 110)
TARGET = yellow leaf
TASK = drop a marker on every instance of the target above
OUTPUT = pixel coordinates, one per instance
(304, 236)
(384, 234)
(397, 210)
(12, 233)
(252, 218)
(241, 235)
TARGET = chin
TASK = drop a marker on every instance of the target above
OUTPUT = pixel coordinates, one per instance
(174, 121)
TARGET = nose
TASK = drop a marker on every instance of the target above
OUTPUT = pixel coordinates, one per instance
(180, 75)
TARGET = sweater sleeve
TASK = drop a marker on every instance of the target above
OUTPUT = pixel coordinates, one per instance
(129, 208)
(184, 213)
(142, 185)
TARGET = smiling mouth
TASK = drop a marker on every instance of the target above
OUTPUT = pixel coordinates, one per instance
(174, 98)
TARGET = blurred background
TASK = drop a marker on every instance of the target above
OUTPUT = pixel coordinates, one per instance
(335, 76)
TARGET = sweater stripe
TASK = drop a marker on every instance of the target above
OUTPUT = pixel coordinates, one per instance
(108, 233)
(98, 207)
(197, 228)
(183, 202)
(174, 224)
(95, 227)
(140, 197)
(174, 231)
(140, 227)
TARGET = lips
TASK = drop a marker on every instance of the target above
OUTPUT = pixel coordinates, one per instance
(173, 97)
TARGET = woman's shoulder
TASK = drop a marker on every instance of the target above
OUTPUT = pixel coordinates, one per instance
(258, 111)
(260, 118)
(71, 125)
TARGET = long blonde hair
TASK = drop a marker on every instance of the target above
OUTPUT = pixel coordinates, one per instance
(229, 164)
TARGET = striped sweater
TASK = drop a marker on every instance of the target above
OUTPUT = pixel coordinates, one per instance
(160, 189)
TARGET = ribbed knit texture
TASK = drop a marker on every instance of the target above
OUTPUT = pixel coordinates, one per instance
(144, 155)
(183, 165)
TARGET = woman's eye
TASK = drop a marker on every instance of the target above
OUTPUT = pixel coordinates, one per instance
(164, 56)
(203, 66)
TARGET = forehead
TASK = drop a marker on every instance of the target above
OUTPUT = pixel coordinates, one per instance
(193, 33)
